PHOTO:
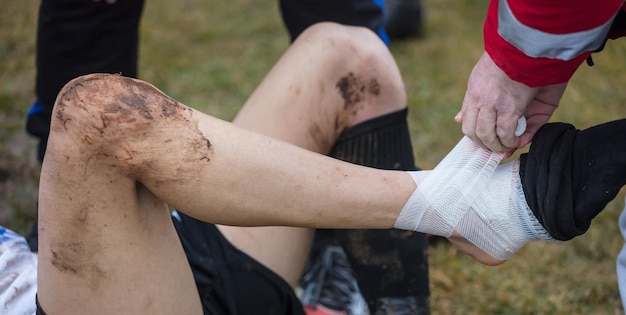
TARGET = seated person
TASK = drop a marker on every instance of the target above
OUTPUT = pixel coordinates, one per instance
(121, 152)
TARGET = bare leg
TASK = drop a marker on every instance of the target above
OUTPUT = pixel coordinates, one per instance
(120, 149)
(310, 106)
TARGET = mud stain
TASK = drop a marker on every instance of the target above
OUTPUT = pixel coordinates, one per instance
(150, 103)
(353, 90)
(373, 87)
(350, 90)
(132, 101)
(73, 258)
(77, 251)
(115, 101)
(63, 263)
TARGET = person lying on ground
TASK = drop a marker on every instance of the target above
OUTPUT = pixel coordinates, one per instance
(121, 152)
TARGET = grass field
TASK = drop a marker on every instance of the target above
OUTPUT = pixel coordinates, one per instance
(211, 54)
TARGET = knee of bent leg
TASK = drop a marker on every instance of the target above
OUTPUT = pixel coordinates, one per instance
(347, 43)
(96, 111)
(359, 53)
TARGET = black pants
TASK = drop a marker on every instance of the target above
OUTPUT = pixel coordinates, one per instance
(78, 37)
(300, 14)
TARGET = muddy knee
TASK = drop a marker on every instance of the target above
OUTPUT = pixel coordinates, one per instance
(103, 103)
(367, 77)
(111, 115)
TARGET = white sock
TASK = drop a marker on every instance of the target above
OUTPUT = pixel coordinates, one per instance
(470, 193)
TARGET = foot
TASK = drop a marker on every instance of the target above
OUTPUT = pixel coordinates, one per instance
(470, 198)
(570, 175)
(466, 247)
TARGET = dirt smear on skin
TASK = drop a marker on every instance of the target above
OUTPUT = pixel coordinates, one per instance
(137, 104)
(355, 92)
(72, 255)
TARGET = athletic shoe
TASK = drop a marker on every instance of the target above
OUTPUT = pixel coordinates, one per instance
(403, 306)
(329, 287)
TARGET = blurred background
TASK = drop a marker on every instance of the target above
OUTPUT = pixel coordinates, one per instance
(211, 54)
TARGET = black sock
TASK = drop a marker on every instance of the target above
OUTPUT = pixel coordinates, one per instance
(387, 263)
(569, 175)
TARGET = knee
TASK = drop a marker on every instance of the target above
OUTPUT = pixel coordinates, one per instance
(100, 114)
(360, 43)
(357, 52)
(82, 108)
(354, 47)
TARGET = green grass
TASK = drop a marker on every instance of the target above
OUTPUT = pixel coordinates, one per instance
(211, 54)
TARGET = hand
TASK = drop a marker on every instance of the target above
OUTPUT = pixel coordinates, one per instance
(494, 103)
(540, 109)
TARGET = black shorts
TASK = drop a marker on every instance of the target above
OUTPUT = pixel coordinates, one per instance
(229, 281)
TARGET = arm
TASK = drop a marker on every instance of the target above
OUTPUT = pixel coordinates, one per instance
(531, 51)
(540, 43)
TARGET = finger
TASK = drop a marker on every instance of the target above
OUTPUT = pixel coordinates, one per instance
(505, 131)
(459, 117)
(533, 122)
(469, 128)
(468, 118)
(486, 130)
(525, 139)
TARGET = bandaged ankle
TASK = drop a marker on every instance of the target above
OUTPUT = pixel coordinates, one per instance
(468, 192)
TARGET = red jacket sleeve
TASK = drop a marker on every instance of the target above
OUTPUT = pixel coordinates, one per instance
(540, 42)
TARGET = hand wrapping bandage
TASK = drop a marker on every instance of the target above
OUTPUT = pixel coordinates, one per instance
(470, 193)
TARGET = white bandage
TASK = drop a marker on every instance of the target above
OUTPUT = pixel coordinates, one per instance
(470, 193)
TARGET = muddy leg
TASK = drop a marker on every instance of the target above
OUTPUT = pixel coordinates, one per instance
(331, 78)
(119, 148)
